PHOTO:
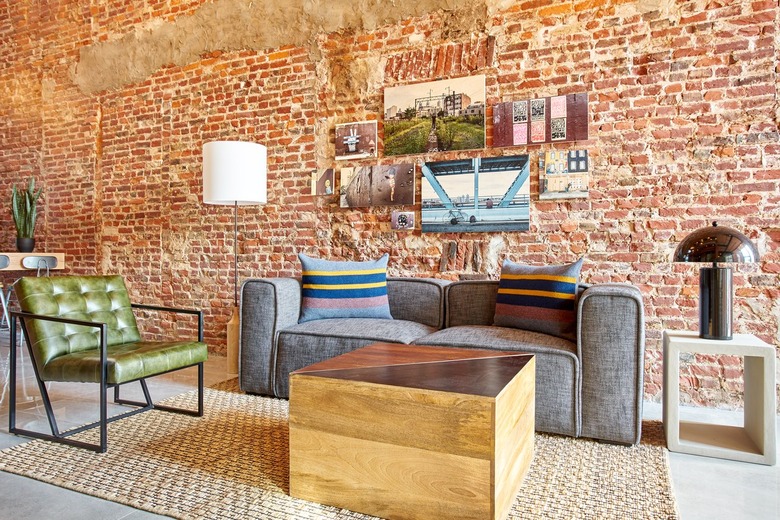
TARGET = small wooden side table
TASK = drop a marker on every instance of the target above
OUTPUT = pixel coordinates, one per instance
(755, 441)
(31, 261)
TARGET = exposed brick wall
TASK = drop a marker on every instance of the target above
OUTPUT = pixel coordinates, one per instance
(684, 130)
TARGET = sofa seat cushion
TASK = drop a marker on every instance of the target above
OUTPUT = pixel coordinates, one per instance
(313, 341)
(557, 368)
(498, 338)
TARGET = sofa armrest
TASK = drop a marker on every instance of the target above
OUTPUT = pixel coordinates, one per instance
(611, 348)
(267, 306)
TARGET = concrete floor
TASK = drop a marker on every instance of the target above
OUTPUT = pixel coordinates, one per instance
(705, 488)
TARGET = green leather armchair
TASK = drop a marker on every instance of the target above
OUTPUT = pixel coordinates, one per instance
(83, 329)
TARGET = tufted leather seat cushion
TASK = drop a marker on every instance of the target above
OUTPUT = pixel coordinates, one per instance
(126, 362)
(65, 352)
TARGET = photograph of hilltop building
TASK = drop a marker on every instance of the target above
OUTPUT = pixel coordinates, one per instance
(435, 116)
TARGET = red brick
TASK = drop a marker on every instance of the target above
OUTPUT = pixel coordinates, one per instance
(678, 137)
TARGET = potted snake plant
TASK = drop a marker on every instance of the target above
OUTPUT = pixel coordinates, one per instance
(25, 211)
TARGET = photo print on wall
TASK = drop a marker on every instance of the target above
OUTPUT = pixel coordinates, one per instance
(435, 116)
(356, 140)
(564, 175)
(322, 182)
(543, 120)
(377, 185)
(476, 195)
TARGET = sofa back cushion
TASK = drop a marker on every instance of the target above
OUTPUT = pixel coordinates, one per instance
(471, 302)
(343, 289)
(417, 299)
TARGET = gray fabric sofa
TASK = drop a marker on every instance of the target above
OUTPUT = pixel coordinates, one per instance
(592, 387)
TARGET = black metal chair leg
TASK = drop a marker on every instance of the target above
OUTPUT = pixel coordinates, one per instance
(185, 411)
(149, 404)
(41, 385)
(55, 435)
(200, 389)
(12, 377)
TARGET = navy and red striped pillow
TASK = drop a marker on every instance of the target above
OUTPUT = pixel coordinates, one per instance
(540, 299)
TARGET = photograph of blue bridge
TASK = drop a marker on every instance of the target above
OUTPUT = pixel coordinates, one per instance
(476, 195)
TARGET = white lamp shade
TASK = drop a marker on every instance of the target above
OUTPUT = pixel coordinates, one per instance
(234, 172)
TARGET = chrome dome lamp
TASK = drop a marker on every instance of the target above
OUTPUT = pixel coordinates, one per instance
(716, 244)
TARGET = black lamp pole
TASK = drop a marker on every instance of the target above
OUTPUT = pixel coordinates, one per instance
(235, 255)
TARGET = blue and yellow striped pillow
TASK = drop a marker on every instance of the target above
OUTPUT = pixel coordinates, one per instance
(333, 289)
(540, 299)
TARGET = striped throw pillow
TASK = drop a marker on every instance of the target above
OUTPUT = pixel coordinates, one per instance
(540, 299)
(333, 289)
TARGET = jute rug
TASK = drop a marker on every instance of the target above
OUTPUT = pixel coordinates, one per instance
(233, 464)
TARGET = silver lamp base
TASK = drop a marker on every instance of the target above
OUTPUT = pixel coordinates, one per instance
(715, 302)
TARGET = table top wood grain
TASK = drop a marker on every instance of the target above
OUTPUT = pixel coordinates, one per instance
(466, 371)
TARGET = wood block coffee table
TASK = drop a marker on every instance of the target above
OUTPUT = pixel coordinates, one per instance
(407, 431)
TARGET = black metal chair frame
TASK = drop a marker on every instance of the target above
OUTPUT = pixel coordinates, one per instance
(64, 437)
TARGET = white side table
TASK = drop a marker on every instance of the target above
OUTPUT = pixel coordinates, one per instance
(755, 441)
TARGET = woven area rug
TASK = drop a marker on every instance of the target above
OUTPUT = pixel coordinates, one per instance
(233, 464)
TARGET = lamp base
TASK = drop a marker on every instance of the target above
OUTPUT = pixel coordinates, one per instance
(232, 343)
(715, 302)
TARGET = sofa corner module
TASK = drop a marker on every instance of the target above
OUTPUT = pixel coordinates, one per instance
(267, 305)
(417, 299)
(470, 302)
(611, 346)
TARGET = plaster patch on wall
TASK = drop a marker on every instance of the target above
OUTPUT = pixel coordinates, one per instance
(665, 7)
(467, 19)
(227, 25)
(106, 264)
(23, 94)
(346, 76)
(175, 249)
(346, 236)
(492, 255)
(357, 76)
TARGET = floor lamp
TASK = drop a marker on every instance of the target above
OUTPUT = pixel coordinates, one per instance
(234, 172)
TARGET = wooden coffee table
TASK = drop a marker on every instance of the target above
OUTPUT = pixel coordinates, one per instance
(408, 431)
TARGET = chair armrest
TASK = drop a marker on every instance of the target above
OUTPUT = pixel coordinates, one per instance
(611, 348)
(267, 306)
(195, 312)
(22, 315)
